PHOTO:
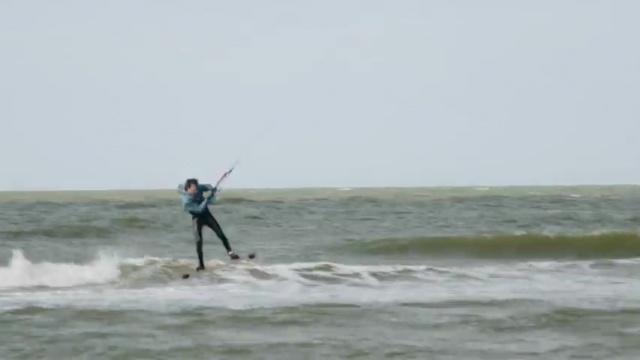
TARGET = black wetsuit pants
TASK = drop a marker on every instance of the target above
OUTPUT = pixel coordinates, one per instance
(207, 219)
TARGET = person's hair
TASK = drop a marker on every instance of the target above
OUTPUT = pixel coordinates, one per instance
(189, 182)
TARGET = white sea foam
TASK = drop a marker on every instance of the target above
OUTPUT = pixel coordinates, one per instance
(22, 273)
(236, 285)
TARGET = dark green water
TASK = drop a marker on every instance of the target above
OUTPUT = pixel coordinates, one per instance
(437, 273)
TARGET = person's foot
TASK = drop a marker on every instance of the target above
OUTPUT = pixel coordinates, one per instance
(233, 255)
(200, 268)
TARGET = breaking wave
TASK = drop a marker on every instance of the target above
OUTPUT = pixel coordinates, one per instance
(22, 273)
(529, 246)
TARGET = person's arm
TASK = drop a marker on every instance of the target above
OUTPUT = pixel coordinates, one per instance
(212, 196)
(195, 208)
(206, 187)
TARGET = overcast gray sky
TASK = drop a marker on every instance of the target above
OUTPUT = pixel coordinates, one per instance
(141, 94)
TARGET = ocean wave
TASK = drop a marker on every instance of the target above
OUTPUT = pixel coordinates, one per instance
(132, 222)
(144, 272)
(151, 271)
(139, 205)
(60, 232)
(149, 283)
(158, 270)
(22, 273)
(527, 246)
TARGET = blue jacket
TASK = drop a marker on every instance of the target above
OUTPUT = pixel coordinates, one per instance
(196, 204)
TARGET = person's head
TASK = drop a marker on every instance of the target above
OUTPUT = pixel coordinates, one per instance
(191, 186)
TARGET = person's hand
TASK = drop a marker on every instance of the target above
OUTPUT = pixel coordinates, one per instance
(212, 193)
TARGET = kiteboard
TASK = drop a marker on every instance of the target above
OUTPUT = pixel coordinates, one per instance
(250, 256)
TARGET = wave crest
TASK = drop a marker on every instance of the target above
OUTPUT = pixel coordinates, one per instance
(529, 246)
(21, 272)
(60, 232)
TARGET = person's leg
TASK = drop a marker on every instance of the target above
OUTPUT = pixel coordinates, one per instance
(197, 224)
(213, 224)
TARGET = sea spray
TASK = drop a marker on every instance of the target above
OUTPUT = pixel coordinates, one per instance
(22, 273)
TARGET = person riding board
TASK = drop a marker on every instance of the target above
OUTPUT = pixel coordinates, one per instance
(197, 205)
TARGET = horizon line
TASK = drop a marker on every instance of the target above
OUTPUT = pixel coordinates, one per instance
(328, 187)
